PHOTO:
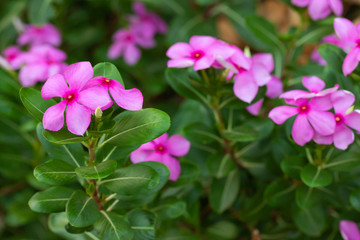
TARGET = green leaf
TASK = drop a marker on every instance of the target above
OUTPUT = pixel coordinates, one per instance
(40, 11)
(55, 172)
(51, 200)
(189, 173)
(13, 10)
(306, 197)
(311, 221)
(223, 230)
(136, 128)
(113, 226)
(279, 193)
(162, 170)
(355, 199)
(134, 179)
(81, 210)
(63, 136)
(142, 223)
(9, 85)
(99, 171)
(292, 166)
(333, 55)
(200, 133)
(170, 210)
(108, 70)
(343, 162)
(34, 103)
(220, 165)
(76, 230)
(243, 133)
(223, 192)
(315, 177)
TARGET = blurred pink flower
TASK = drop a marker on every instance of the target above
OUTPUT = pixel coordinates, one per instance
(79, 102)
(130, 99)
(39, 35)
(319, 9)
(349, 230)
(162, 149)
(343, 136)
(350, 35)
(14, 57)
(333, 39)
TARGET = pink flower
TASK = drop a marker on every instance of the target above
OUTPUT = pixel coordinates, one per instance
(349, 35)
(162, 149)
(39, 35)
(332, 39)
(349, 230)
(201, 52)
(319, 9)
(41, 62)
(125, 44)
(14, 57)
(343, 136)
(130, 99)
(79, 102)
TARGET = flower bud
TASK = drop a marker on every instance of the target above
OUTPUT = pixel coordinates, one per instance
(98, 113)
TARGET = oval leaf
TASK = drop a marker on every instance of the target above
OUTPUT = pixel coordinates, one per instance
(315, 177)
(142, 223)
(241, 134)
(55, 172)
(63, 136)
(113, 226)
(102, 170)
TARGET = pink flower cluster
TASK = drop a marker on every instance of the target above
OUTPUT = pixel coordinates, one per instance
(42, 60)
(81, 95)
(319, 9)
(162, 149)
(141, 33)
(249, 73)
(314, 120)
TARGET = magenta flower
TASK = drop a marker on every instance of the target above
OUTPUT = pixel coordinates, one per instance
(349, 230)
(201, 52)
(79, 102)
(343, 136)
(350, 36)
(130, 99)
(319, 9)
(14, 57)
(39, 35)
(162, 149)
(41, 62)
(125, 44)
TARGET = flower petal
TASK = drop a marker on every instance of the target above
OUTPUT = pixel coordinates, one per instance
(116, 50)
(204, 62)
(179, 50)
(321, 103)
(78, 74)
(94, 97)
(131, 54)
(323, 122)
(313, 84)
(345, 29)
(294, 94)
(325, 140)
(139, 155)
(53, 118)
(155, 156)
(180, 63)
(265, 59)
(343, 137)
(351, 61)
(55, 86)
(300, 3)
(274, 87)
(201, 42)
(261, 74)
(349, 230)
(173, 165)
(319, 9)
(178, 146)
(161, 140)
(130, 99)
(255, 108)
(353, 120)
(78, 118)
(280, 114)
(301, 131)
(33, 73)
(342, 100)
(336, 6)
(245, 87)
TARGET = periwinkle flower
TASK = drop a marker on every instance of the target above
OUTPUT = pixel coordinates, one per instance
(162, 149)
(14, 57)
(39, 35)
(319, 9)
(349, 230)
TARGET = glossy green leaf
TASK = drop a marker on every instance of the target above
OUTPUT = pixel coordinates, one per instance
(315, 177)
(113, 226)
(136, 128)
(343, 162)
(77, 230)
(108, 70)
(307, 197)
(101, 170)
(279, 193)
(200, 133)
(355, 199)
(81, 210)
(311, 221)
(55, 172)
(142, 223)
(51, 200)
(34, 103)
(292, 166)
(162, 170)
(189, 173)
(243, 133)
(220, 165)
(170, 210)
(223, 192)
(63, 136)
(223, 230)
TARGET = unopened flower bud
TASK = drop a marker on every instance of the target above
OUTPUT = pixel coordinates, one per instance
(98, 113)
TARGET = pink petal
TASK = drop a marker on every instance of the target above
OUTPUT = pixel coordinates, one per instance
(353, 120)
(336, 6)
(55, 86)
(300, 3)
(179, 50)
(139, 155)
(319, 9)
(255, 108)
(345, 29)
(240, 59)
(131, 54)
(349, 230)
(155, 156)
(222, 50)
(78, 118)
(161, 140)
(301, 131)
(260, 73)
(139, 8)
(322, 122)
(53, 118)
(116, 50)
(343, 137)
(178, 146)
(130, 99)
(201, 42)
(342, 100)
(245, 87)
(204, 62)
(180, 63)
(321, 103)
(325, 140)
(351, 61)
(94, 97)
(264, 58)
(294, 94)
(173, 165)
(280, 114)
(313, 84)
(274, 87)
(148, 146)
(33, 73)
(78, 74)
(95, 82)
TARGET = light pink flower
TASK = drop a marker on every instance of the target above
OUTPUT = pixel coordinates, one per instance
(349, 34)
(319, 9)
(39, 35)
(343, 136)
(14, 57)
(41, 62)
(162, 150)
(79, 102)
(130, 99)
(201, 52)
(349, 230)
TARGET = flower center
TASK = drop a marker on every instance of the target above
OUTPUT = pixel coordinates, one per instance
(358, 42)
(160, 149)
(240, 68)
(197, 54)
(106, 81)
(70, 97)
(304, 109)
(339, 119)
